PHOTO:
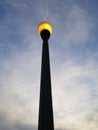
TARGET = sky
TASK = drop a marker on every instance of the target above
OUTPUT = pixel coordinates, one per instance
(73, 58)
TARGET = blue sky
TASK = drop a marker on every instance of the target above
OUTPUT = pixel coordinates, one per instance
(74, 63)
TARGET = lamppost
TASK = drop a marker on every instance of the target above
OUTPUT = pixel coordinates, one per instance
(45, 121)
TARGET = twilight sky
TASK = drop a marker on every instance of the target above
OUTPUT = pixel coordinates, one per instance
(74, 63)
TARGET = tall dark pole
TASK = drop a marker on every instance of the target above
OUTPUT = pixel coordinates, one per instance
(45, 106)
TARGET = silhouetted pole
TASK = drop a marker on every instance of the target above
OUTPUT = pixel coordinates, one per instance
(45, 107)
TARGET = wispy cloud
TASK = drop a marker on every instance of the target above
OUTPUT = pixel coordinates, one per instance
(76, 26)
(7, 124)
(74, 86)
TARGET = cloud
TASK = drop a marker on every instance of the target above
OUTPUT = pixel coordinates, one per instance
(73, 25)
(7, 124)
(20, 86)
(74, 92)
(78, 26)
(92, 117)
(73, 88)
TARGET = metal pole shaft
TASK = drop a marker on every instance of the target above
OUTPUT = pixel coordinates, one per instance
(45, 106)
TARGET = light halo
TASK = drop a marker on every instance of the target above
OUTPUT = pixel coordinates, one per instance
(45, 26)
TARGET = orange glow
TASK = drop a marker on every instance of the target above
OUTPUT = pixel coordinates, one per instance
(45, 25)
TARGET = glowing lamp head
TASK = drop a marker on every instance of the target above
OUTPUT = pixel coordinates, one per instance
(45, 26)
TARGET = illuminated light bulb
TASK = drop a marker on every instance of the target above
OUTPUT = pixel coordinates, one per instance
(45, 26)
